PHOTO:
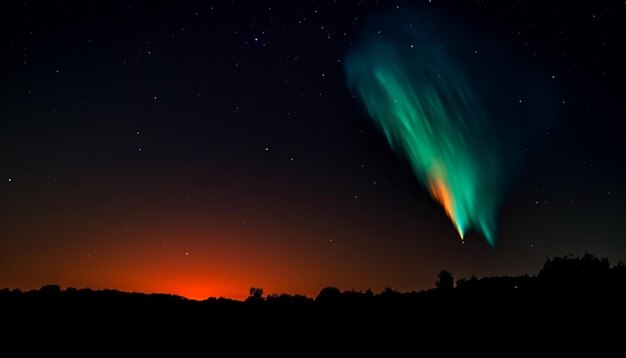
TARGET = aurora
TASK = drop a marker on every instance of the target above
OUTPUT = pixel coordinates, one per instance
(442, 106)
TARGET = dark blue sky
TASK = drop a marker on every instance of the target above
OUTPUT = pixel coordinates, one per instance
(217, 146)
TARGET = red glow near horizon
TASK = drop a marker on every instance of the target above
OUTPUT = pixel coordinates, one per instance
(190, 259)
(74, 240)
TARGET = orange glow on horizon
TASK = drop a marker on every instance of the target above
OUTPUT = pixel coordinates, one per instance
(198, 256)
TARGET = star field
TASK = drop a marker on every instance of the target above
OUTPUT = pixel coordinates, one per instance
(204, 147)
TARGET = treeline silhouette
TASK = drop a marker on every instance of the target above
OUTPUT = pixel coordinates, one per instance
(571, 301)
(570, 279)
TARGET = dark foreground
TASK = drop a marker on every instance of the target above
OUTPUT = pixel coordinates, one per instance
(570, 297)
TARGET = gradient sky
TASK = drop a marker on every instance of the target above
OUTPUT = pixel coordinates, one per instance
(201, 148)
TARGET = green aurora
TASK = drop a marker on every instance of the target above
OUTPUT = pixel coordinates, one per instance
(438, 109)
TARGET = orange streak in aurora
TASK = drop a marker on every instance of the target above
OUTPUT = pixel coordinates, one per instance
(440, 192)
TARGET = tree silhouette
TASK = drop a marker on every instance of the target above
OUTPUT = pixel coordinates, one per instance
(568, 284)
(329, 295)
(256, 295)
(445, 280)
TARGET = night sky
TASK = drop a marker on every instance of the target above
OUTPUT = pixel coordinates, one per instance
(200, 148)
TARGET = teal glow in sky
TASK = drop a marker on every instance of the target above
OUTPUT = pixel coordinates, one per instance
(442, 110)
